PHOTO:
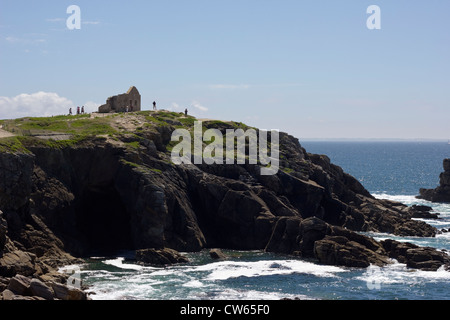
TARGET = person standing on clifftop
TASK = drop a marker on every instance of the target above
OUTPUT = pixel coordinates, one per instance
(70, 111)
(154, 105)
(186, 112)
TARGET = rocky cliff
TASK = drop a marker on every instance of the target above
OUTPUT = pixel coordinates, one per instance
(442, 192)
(101, 193)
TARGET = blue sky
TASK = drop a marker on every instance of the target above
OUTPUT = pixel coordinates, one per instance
(311, 68)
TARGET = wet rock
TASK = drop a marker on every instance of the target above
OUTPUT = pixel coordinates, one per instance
(338, 250)
(422, 212)
(217, 254)
(423, 258)
(442, 192)
(159, 257)
(397, 250)
(427, 259)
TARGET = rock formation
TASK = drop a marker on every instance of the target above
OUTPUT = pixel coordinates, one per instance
(102, 194)
(442, 192)
(159, 257)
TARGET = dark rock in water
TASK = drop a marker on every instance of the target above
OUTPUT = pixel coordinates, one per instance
(217, 254)
(422, 212)
(423, 258)
(347, 248)
(338, 250)
(427, 259)
(159, 257)
(442, 192)
(397, 250)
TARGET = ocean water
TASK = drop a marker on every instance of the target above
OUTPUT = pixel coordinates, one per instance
(389, 170)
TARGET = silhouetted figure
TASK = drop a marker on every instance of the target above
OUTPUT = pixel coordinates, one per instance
(78, 110)
(186, 112)
(70, 111)
(82, 110)
(154, 105)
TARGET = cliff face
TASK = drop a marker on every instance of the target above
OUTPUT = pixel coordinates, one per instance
(103, 194)
(442, 192)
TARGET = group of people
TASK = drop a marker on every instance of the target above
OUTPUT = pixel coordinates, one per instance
(128, 109)
(79, 110)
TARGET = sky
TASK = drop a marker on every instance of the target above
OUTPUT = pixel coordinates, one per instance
(310, 68)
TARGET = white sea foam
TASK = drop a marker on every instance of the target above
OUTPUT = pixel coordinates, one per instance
(194, 284)
(234, 269)
(118, 262)
(251, 295)
(405, 199)
(398, 273)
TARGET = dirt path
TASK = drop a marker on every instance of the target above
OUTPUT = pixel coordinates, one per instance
(5, 134)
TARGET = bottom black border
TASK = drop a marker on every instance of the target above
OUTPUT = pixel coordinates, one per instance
(173, 309)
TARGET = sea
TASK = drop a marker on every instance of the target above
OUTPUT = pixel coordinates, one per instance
(394, 170)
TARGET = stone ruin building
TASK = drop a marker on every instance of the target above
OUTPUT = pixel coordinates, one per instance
(130, 101)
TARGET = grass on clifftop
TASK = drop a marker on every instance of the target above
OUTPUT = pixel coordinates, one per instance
(65, 131)
(74, 125)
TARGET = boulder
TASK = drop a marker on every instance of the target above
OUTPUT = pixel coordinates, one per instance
(285, 236)
(8, 295)
(159, 257)
(20, 285)
(397, 250)
(338, 250)
(17, 262)
(217, 254)
(4, 282)
(64, 292)
(427, 259)
(442, 192)
(311, 230)
(39, 289)
(415, 257)
(422, 212)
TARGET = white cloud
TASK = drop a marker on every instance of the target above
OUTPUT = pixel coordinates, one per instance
(91, 106)
(174, 107)
(198, 106)
(39, 104)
